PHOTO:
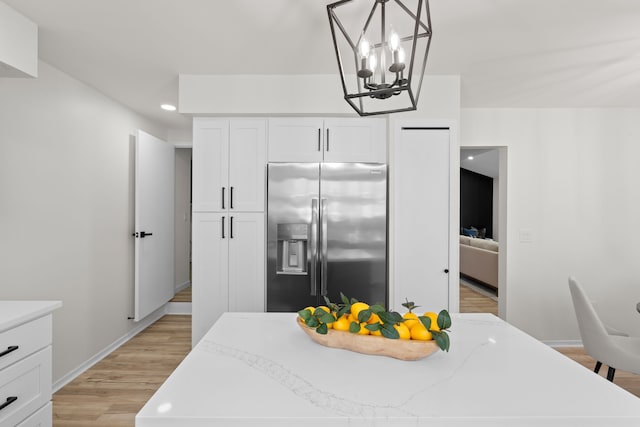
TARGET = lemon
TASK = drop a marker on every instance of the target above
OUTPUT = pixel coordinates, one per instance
(357, 307)
(342, 324)
(363, 330)
(410, 319)
(403, 331)
(434, 320)
(419, 332)
(373, 319)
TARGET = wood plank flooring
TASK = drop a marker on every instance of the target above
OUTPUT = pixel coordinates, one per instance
(115, 389)
(182, 296)
(111, 392)
(474, 302)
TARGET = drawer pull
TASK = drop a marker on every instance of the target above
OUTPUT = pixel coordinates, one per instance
(9, 350)
(9, 401)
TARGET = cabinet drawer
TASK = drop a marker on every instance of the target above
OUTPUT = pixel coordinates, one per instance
(42, 418)
(28, 338)
(28, 380)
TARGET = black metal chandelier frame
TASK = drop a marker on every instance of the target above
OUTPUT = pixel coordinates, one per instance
(382, 90)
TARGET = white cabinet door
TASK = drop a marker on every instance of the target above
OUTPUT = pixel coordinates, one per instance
(421, 218)
(210, 275)
(210, 164)
(355, 140)
(295, 140)
(246, 262)
(247, 165)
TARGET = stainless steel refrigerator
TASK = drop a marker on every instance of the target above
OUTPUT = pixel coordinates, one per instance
(326, 233)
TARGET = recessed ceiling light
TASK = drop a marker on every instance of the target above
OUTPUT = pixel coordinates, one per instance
(168, 107)
(470, 158)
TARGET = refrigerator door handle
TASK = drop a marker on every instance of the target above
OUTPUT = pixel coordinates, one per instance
(313, 248)
(323, 244)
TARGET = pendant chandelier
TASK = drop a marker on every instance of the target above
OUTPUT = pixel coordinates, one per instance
(382, 51)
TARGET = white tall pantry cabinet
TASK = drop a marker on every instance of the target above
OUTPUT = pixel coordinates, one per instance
(229, 158)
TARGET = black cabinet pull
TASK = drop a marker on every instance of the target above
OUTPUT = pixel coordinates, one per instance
(223, 227)
(327, 139)
(222, 197)
(231, 227)
(319, 138)
(9, 401)
(446, 270)
(231, 197)
(9, 349)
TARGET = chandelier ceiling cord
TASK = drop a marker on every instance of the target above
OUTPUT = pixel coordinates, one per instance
(384, 51)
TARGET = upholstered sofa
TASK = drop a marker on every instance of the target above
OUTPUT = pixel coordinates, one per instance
(479, 260)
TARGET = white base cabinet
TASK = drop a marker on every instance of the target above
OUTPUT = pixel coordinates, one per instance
(25, 363)
(228, 266)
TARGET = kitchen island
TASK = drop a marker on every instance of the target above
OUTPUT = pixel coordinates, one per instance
(260, 369)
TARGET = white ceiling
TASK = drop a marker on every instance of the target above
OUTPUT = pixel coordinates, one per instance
(509, 53)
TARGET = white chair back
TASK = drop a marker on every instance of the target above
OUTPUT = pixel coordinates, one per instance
(595, 338)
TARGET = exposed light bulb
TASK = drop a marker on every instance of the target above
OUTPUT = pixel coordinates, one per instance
(394, 41)
(401, 55)
(364, 48)
(372, 62)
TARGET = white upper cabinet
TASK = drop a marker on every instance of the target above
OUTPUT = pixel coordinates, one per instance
(229, 158)
(328, 140)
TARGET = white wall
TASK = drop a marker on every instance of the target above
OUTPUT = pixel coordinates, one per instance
(18, 44)
(182, 216)
(573, 188)
(66, 208)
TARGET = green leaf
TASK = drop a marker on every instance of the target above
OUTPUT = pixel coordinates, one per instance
(327, 301)
(426, 321)
(305, 314)
(390, 317)
(344, 299)
(409, 305)
(344, 310)
(364, 315)
(353, 301)
(373, 326)
(354, 327)
(442, 339)
(376, 308)
(389, 331)
(444, 319)
(326, 317)
(322, 329)
(312, 322)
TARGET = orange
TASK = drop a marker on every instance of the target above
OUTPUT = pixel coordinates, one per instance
(419, 332)
(342, 324)
(410, 319)
(403, 331)
(434, 320)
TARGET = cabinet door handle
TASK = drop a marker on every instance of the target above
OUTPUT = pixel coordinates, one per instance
(327, 139)
(8, 402)
(9, 349)
(222, 197)
(231, 227)
(223, 227)
(319, 139)
(231, 197)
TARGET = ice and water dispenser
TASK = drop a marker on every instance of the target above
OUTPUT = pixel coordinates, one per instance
(293, 242)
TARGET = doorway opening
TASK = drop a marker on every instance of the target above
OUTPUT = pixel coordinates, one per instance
(483, 195)
(183, 181)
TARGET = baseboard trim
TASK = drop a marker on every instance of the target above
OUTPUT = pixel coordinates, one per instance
(182, 286)
(178, 307)
(563, 343)
(139, 327)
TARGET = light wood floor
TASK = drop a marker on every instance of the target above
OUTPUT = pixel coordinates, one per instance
(474, 302)
(114, 390)
(183, 296)
(111, 392)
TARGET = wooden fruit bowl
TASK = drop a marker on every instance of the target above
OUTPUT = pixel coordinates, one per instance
(369, 344)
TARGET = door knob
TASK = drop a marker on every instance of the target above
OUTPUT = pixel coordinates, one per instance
(141, 234)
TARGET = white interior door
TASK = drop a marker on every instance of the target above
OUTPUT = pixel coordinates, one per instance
(421, 210)
(154, 225)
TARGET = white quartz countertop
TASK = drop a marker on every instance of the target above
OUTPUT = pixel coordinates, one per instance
(15, 313)
(260, 369)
